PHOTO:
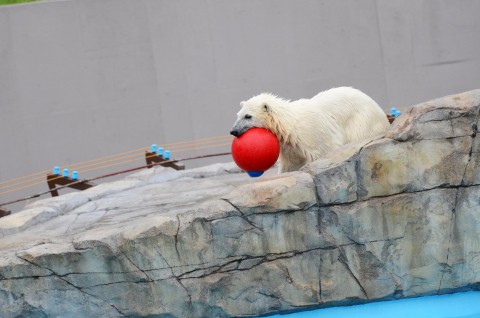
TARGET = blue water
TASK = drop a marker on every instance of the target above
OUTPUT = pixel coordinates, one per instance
(459, 305)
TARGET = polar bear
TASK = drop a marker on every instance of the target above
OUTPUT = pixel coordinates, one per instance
(309, 128)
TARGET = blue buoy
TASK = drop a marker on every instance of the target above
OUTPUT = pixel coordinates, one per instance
(255, 174)
(393, 111)
(167, 154)
(397, 113)
(153, 148)
(75, 175)
(65, 172)
(56, 170)
(160, 151)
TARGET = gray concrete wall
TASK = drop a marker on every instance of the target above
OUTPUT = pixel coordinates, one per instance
(88, 78)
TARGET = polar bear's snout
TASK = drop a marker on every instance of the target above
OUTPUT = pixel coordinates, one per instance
(239, 128)
(237, 132)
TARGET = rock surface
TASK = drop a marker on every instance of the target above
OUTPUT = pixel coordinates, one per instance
(380, 219)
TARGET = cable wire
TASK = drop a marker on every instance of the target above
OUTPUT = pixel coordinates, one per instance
(133, 160)
(97, 167)
(111, 175)
(99, 161)
(177, 144)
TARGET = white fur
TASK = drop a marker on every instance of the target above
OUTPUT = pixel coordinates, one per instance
(309, 128)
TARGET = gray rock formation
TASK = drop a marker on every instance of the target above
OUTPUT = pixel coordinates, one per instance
(381, 219)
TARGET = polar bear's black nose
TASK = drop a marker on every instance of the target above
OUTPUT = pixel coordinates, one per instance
(234, 133)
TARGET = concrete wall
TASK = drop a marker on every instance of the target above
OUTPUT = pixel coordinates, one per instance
(87, 78)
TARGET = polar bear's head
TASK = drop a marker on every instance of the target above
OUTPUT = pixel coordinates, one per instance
(256, 112)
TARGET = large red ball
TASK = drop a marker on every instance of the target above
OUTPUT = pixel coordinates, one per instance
(256, 150)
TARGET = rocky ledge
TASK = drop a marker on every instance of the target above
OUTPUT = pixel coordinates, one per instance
(381, 219)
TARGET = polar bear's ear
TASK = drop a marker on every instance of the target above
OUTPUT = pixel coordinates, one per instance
(266, 107)
(242, 104)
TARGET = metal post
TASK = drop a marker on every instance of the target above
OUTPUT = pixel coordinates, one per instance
(54, 180)
(4, 212)
(152, 157)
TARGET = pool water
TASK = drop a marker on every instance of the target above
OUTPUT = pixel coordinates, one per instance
(459, 305)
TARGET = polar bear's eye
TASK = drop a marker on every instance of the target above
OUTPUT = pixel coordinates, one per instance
(247, 116)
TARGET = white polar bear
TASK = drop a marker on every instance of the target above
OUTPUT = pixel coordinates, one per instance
(309, 128)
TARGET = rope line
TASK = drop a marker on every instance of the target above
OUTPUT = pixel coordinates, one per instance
(78, 165)
(27, 176)
(98, 166)
(29, 185)
(111, 175)
(81, 167)
(174, 144)
(128, 161)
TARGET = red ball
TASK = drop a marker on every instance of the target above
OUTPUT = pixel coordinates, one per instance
(255, 151)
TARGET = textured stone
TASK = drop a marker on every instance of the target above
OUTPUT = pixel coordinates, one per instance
(380, 219)
(463, 266)
(20, 221)
(246, 293)
(212, 170)
(387, 167)
(288, 192)
(53, 297)
(15, 267)
(472, 172)
(446, 117)
(335, 176)
(390, 229)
